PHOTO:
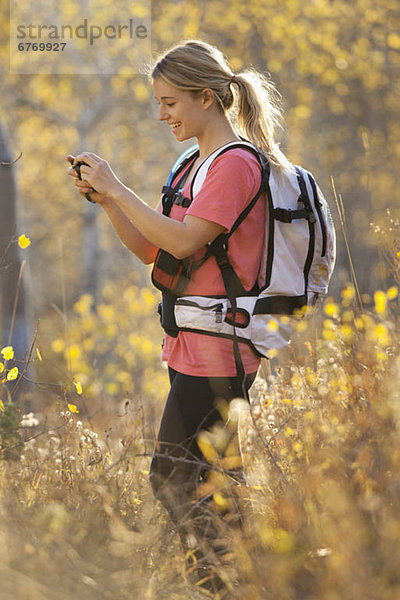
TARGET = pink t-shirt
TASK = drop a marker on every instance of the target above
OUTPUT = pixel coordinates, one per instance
(233, 179)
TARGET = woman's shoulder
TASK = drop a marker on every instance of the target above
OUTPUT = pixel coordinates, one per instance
(237, 158)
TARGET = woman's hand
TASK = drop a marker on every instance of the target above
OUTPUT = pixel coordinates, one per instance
(96, 175)
(82, 185)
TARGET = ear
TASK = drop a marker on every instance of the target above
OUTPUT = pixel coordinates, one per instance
(207, 98)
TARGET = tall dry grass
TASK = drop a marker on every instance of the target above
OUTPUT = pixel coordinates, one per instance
(317, 516)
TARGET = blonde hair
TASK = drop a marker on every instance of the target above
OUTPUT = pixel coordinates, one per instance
(251, 99)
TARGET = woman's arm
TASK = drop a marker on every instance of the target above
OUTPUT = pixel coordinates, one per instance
(181, 239)
(129, 235)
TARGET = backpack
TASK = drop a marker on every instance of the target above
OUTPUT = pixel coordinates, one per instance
(296, 264)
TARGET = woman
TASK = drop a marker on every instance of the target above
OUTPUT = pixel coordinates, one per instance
(196, 90)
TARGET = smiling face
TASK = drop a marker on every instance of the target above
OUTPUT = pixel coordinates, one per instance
(186, 113)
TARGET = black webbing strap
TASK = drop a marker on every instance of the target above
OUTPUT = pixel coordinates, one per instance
(263, 186)
(286, 215)
(304, 197)
(234, 288)
(275, 305)
(311, 228)
(181, 200)
(170, 192)
(233, 285)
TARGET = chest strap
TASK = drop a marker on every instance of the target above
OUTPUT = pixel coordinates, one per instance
(176, 197)
(173, 194)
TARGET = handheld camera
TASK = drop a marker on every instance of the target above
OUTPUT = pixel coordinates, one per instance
(77, 168)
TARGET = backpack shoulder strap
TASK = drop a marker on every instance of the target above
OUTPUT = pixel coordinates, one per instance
(201, 173)
(168, 190)
(183, 159)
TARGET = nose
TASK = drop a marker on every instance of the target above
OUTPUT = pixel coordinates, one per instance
(162, 113)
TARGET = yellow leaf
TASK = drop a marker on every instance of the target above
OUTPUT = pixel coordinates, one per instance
(1, 367)
(73, 408)
(220, 501)
(13, 374)
(23, 241)
(78, 387)
(38, 354)
(231, 462)
(206, 447)
(394, 41)
(2, 407)
(7, 353)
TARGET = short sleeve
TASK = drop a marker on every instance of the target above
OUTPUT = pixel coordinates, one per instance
(232, 181)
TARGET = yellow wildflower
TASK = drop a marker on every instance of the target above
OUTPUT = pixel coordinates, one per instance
(347, 332)
(392, 292)
(380, 302)
(23, 241)
(331, 309)
(296, 381)
(7, 353)
(381, 335)
(78, 387)
(38, 354)
(12, 374)
(381, 356)
(74, 351)
(73, 408)
(2, 407)
(328, 335)
(1, 367)
(359, 323)
(57, 345)
(301, 326)
(348, 293)
(272, 326)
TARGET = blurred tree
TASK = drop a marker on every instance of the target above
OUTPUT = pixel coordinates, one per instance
(11, 287)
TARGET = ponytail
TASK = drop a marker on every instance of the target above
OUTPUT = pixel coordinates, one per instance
(257, 114)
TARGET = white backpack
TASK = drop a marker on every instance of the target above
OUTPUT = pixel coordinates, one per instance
(297, 261)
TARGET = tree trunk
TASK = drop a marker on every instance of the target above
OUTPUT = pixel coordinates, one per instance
(13, 330)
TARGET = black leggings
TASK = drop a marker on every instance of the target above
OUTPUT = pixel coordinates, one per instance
(178, 464)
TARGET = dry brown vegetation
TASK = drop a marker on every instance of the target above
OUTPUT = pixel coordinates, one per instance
(319, 507)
